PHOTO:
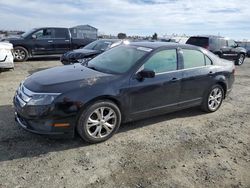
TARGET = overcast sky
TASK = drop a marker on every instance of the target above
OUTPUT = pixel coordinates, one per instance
(229, 18)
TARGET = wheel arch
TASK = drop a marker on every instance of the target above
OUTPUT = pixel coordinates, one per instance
(102, 98)
(25, 47)
(224, 86)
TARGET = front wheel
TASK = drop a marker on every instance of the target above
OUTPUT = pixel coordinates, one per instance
(20, 53)
(99, 121)
(213, 99)
(240, 59)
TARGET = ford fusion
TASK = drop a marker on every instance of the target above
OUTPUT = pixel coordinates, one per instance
(126, 83)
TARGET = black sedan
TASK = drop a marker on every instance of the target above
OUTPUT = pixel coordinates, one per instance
(123, 84)
(89, 51)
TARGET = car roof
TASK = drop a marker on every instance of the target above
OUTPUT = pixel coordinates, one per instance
(211, 36)
(155, 45)
(110, 40)
(50, 28)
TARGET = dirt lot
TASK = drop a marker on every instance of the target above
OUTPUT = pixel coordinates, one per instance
(183, 149)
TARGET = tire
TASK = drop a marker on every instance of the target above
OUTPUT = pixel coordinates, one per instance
(92, 126)
(218, 54)
(21, 54)
(213, 98)
(240, 60)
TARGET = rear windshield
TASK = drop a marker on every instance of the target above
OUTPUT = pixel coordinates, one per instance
(198, 41)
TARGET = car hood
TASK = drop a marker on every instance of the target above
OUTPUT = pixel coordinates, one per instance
(6, 45)
(64, 78)
(13, 38)
(241, 49)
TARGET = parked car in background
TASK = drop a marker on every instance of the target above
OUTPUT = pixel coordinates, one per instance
(6, 55)
(44, 42)
(125, 83)
(89, 51)
(245, 45)
(221, 46)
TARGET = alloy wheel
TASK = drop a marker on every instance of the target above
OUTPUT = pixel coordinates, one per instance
(241, 59)
(101, 122)
(19, 54)
(215, 99)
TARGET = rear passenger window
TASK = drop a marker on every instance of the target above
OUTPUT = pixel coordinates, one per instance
(208, 61)
(162, 61)
(61, 33)
(193, 58)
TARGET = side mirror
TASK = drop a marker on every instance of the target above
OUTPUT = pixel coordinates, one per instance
(33, 36)
(145, 74)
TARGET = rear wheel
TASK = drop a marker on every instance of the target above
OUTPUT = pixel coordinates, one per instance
(240, 59)
(99, 121)
(213, 99)
(20, 53)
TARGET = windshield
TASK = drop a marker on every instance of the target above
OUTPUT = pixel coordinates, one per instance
(24, 35)
(117, 60)
(98, 45)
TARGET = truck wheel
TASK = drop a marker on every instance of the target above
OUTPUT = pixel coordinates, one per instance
(240, 59)
(20, 53)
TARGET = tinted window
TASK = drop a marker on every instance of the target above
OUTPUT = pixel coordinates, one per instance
(98, 45)
(198, 41)
(44, 34)
(193, 58)
(162, 61)
(61, 33)
(117, 60)
(208, 61)
(102, 45)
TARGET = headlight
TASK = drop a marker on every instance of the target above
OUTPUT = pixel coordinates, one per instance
(42, 99)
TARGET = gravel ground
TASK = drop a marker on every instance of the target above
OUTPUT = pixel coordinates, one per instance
(182, 149)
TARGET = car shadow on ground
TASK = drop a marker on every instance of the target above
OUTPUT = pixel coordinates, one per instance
(16, 143)
(49, 58)
(5, 70)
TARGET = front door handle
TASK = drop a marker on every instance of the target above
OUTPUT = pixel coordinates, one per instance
(174, 79)
(50, 41)
(211, 72)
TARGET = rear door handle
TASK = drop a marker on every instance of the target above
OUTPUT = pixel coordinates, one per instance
(66, 40)
(50, 41)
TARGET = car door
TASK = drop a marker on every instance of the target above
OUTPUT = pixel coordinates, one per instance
(197, 76)
(61, 40)
(42, 43)
(160, 92)
(229, 51)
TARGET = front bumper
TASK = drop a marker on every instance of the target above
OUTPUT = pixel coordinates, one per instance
(7, 63)
(44, 125)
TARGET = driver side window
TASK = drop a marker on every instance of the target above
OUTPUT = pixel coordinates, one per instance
(163, 61)
(43, 34)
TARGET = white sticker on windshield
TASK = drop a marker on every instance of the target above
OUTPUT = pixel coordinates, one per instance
(144, 49)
